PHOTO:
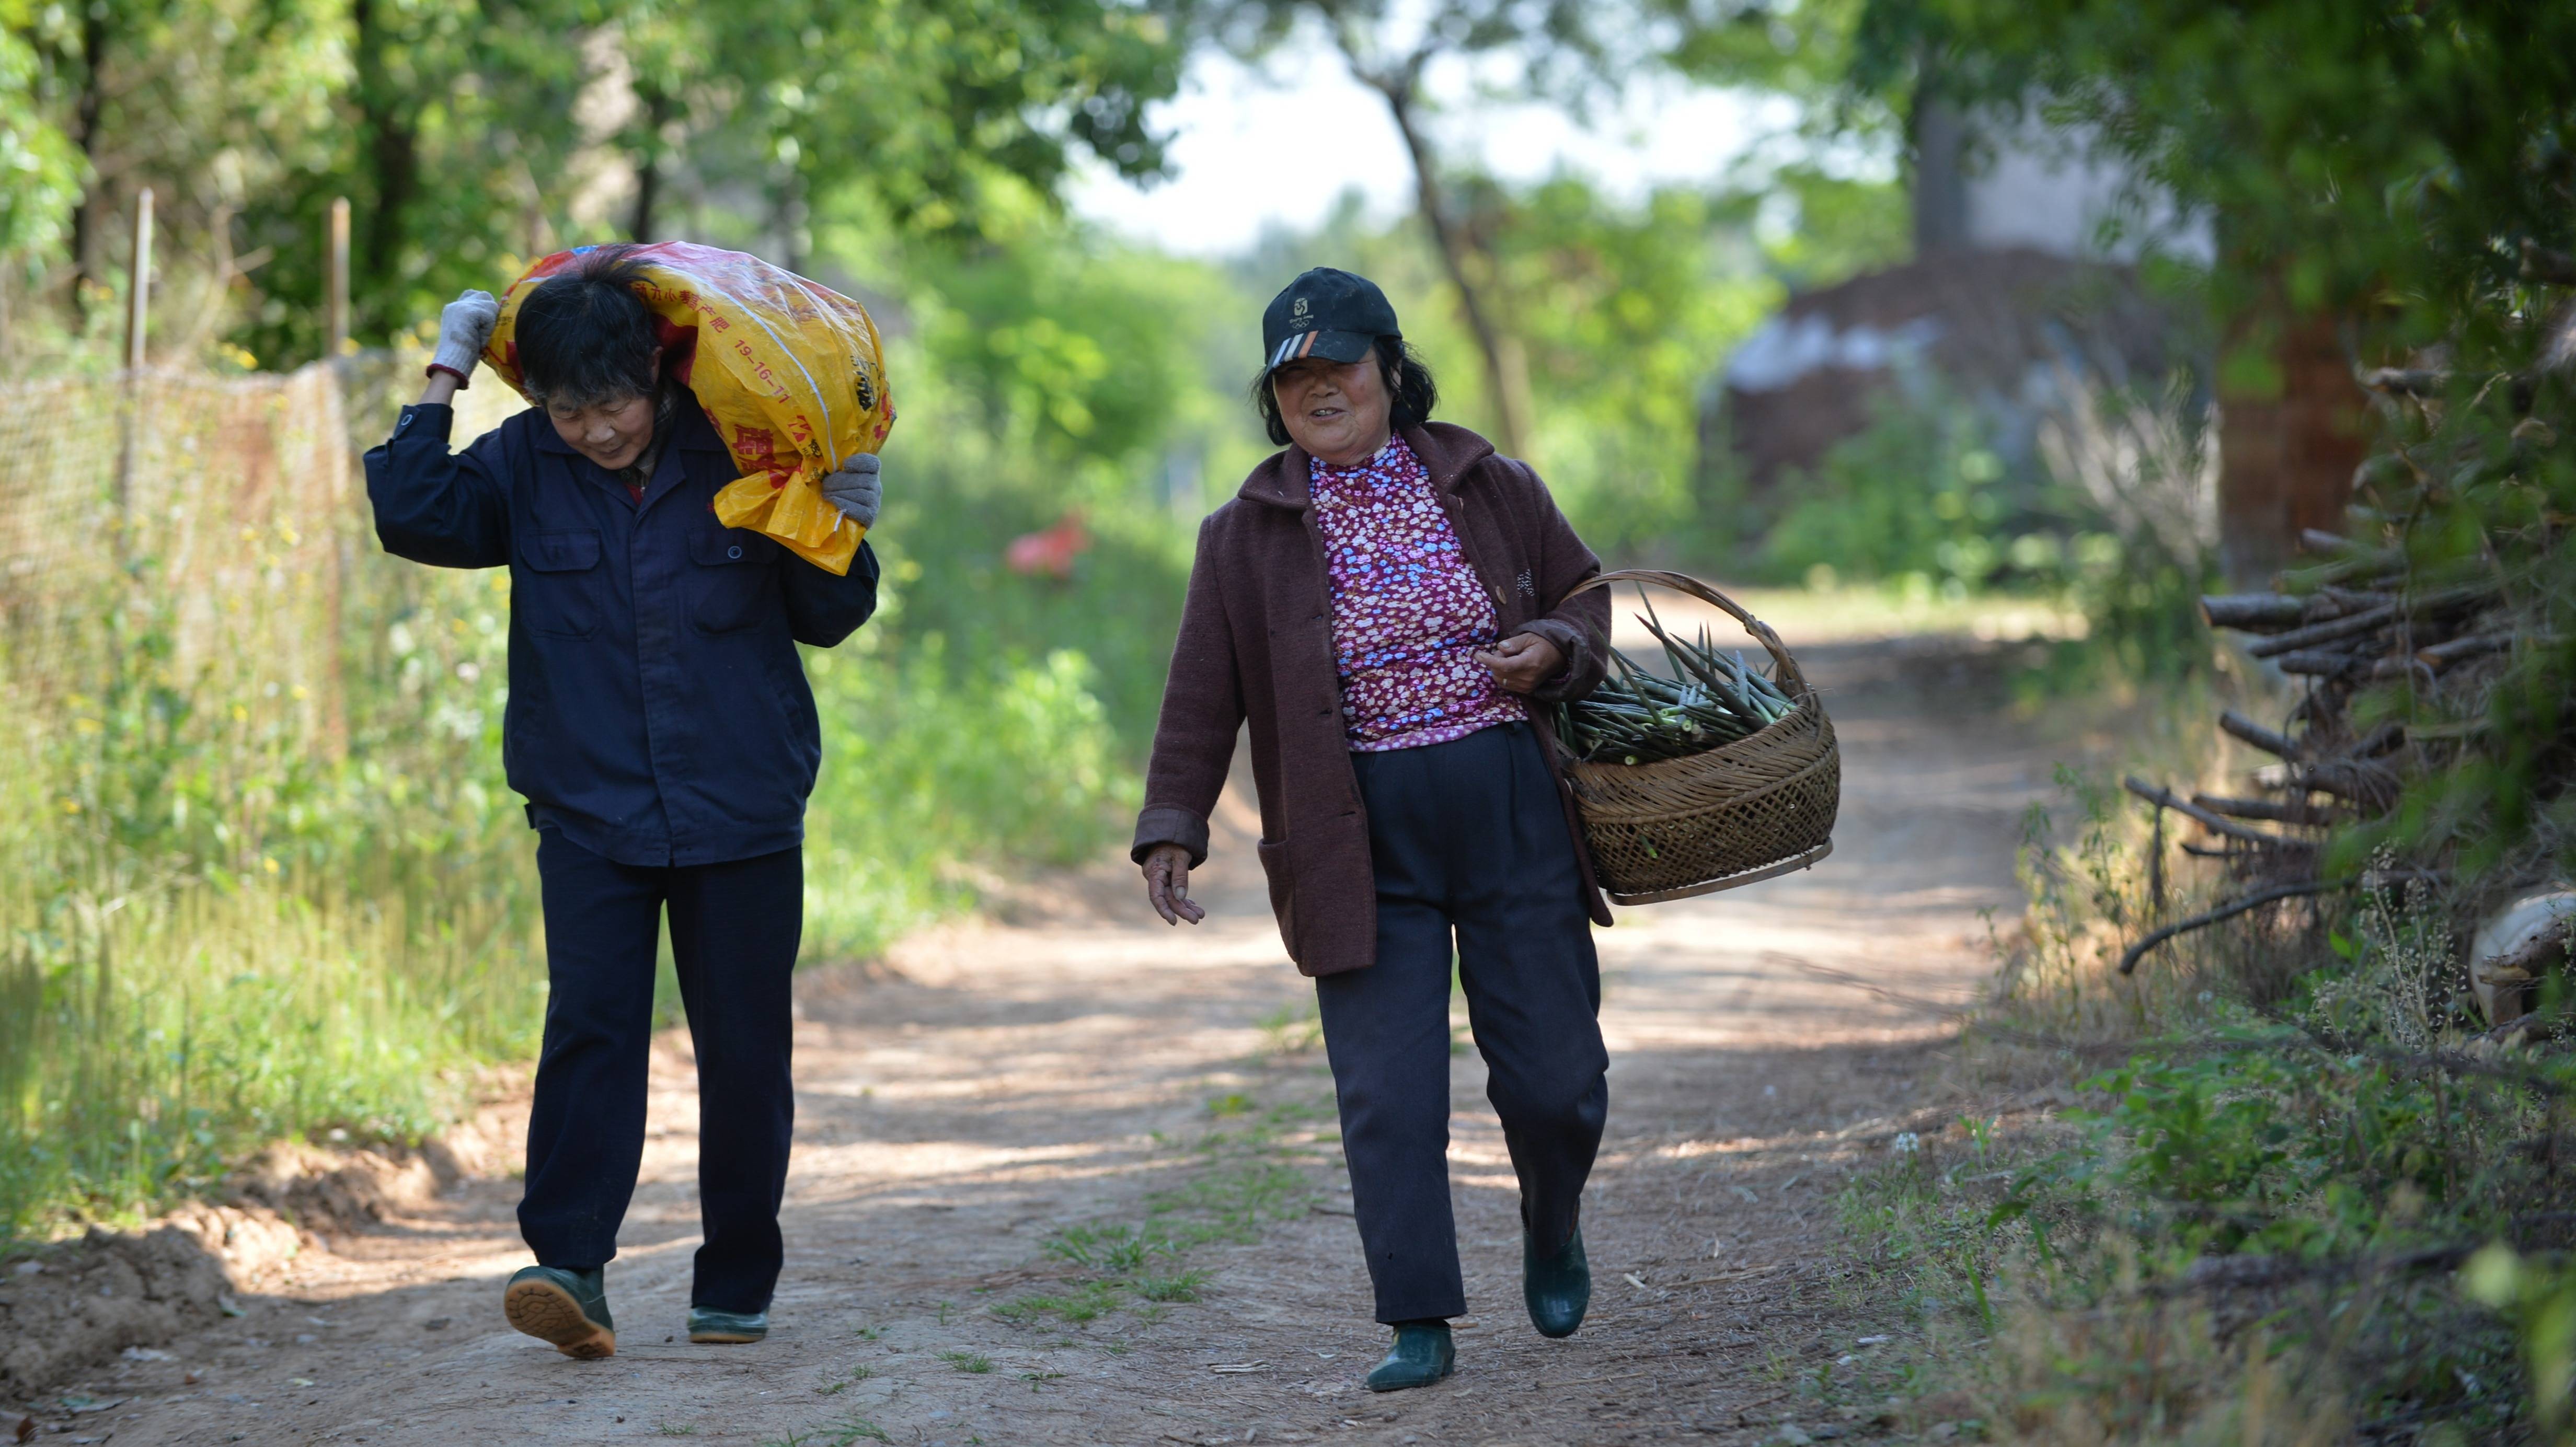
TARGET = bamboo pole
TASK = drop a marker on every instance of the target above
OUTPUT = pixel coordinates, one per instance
(138, 324)
(339, 271)
(138, 313)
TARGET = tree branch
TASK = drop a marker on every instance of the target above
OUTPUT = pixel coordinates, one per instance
(2136, 952)
(1401, 89)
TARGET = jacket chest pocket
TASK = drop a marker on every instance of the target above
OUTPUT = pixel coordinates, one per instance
(557, 592)
(733, 579)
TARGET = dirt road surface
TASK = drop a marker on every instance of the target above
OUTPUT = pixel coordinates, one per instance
(1071, 1176)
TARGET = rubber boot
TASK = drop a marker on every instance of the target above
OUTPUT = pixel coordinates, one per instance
(1557, 1287)
(1423, 1354)
(706, 1324)
(568, 1308)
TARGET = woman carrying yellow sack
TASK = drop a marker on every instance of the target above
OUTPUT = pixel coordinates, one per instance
(659, 722)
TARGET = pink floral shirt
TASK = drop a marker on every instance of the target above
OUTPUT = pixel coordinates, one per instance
(1408, 612)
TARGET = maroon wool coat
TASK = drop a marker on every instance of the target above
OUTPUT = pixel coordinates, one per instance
(1256, 643)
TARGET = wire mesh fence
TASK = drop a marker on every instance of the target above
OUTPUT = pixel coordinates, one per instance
(232, 510)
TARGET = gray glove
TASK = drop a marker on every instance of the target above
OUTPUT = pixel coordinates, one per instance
(855, 490)
(464, 328)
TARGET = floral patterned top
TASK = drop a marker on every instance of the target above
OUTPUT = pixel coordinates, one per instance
(1408, 611)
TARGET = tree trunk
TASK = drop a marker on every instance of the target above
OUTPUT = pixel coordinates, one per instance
(392, 149)
(95, 200)
(2288, 443)
(790, 217)
(1510, 392)
(648, 165)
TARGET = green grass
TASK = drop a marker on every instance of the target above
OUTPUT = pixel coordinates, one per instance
(240, 903)
(1180, 1286)
(2216, 1244)
(972, 1363)
(1086, 1303)
(855, 1376)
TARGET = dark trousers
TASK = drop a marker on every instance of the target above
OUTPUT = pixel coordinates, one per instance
(734, 931)
(1466, 837)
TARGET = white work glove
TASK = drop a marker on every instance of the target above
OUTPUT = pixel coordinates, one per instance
(464, 329)
(855, 490)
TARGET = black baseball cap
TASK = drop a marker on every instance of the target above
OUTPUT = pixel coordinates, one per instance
(1325, 313)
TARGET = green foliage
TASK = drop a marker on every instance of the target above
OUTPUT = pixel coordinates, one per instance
(1623, 311)
(2391, 151)
(1917, 493)
(2265, 1201)
(473, 135)
(39, 166)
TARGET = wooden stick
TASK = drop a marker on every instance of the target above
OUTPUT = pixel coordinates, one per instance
(2278, 813)
(2253, 612)
(2541, 264)
(2406, 381)
(138, 310)
(2260, 737)
(2166, 798)
(2369, 620)
(2259, 898)
(2383, 739)
(2318, 662)
(2442, 655)
(2369, 786)
(337, 321)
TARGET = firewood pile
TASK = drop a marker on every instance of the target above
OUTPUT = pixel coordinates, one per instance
(2399, 639)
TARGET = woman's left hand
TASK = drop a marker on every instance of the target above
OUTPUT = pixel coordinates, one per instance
(1522, 662)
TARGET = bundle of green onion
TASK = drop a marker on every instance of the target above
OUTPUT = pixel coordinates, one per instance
(1636, 717)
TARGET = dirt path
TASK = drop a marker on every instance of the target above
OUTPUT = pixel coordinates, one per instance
(992, 1122)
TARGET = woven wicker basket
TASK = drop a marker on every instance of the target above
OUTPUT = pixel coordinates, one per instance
(1761, 806)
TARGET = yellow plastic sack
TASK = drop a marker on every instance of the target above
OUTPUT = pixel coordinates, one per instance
(790, 373)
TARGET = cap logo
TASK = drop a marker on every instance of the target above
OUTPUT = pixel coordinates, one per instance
(1299, 310)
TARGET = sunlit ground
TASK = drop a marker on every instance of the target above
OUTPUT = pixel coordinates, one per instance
(1855, 614)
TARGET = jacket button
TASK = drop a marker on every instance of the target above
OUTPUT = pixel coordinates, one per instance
(734, 552)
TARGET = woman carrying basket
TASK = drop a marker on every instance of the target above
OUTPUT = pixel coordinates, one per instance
(1378, 601)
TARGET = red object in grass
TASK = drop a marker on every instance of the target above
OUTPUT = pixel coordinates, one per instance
(1050, 553)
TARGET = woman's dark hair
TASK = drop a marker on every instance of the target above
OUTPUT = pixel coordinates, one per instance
(584, 336)
(1408, 383)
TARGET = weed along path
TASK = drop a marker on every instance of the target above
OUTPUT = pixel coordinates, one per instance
(1065, 1176)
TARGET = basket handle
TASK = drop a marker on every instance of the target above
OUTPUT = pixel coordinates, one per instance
(1790, 673)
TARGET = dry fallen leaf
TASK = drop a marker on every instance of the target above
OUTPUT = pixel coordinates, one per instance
(1236, 1368)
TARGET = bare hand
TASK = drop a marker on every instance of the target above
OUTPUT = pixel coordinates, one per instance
(1522, 662)
(1167, 884)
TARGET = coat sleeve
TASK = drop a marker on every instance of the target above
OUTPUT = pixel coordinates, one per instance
(1202, 712)
(823, 609)
(447, 509)
(1579, 626)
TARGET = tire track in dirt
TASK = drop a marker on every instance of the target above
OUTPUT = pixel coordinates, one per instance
(1070, 1075)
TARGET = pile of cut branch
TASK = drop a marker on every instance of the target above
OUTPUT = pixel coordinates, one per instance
(2397, 636)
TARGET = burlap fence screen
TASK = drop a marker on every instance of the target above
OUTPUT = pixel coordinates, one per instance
(218, 523)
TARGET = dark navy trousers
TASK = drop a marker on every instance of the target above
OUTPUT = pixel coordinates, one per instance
(734, 932)
(1468, 841)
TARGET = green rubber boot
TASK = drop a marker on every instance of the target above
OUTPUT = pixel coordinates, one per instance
(567, 1308)
(706, 1324)
(1422, 1354)
(1558, 1287)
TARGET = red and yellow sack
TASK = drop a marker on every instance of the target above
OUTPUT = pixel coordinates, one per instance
(790, 373)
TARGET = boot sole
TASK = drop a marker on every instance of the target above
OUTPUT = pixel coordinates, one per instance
(551, 1314)
(727, 1338)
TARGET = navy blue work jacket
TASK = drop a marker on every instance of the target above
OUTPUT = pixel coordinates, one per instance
(658, 712)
